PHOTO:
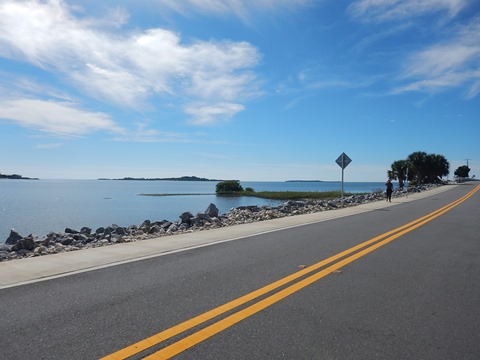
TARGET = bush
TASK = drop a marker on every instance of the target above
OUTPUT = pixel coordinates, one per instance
(229, 187)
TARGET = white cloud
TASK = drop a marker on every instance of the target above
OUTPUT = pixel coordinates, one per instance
(211, 114)
(125, 68)
(59, 118)
(454, 63)
(144, 134)
(386, 10)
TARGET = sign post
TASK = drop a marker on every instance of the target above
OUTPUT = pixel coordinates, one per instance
(343, 160)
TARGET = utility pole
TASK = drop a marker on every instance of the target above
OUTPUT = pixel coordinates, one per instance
(467, 161)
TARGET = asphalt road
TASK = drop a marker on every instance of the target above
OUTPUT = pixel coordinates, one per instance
(410, 295)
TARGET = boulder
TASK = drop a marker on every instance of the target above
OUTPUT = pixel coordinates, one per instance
(85, 230)
(172, 228)
(24, 244)
(80, 237)
(203, 216)
(70, 231)
(186, 216)
(120, 231)
(166, 225)
(13, 238)
(67, 240)
(183, 227)
(212, 210)
(6, 248)
(146, 224)
(154, 229)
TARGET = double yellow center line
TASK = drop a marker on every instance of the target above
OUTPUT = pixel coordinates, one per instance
(325, 268)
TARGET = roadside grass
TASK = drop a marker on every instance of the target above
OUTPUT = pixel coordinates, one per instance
(290, 195)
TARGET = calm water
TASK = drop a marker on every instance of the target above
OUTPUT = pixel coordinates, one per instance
(39, 206)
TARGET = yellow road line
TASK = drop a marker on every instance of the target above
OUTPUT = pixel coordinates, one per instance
(221, 325)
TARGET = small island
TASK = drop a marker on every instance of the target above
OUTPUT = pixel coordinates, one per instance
(16, 177)
(182, 178)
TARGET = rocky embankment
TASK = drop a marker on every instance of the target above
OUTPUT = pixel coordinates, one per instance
(18, 247)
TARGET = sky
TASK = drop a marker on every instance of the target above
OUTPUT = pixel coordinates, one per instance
(260, 90)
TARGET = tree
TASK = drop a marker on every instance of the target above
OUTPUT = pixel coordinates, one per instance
(420, 168)
(416, 164)
(437, 167)
(399, 171)
(462, 171)
(229, 187)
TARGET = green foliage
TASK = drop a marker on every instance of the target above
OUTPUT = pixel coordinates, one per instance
(462, 171)
(420, 168)
(233, 187)
(399, 171)
(229, 187)
(427, 168)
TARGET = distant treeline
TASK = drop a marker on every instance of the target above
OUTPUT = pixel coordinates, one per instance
(182, 178)
(16, 176)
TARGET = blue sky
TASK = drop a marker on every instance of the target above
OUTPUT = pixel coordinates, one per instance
(264, 90)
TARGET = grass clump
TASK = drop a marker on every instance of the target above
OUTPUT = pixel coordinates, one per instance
(295, 195)
(233, 188)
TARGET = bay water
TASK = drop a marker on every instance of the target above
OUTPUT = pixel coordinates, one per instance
(40, 206)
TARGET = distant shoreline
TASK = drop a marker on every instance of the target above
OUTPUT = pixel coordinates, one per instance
(16, 177)
(312, 181)
(304, 181)
(182, 178)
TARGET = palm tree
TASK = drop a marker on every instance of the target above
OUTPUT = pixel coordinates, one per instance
(427, 168)
(399, 171)
(438, 167)
(417, 161)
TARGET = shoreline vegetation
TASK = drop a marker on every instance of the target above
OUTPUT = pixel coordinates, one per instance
(234, 188)
(271, 195)
(182, 178)
(16, 177)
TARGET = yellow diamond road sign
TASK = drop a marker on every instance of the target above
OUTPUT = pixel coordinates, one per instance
(343, 160)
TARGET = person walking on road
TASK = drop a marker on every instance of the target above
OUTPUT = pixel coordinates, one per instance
(389, 191)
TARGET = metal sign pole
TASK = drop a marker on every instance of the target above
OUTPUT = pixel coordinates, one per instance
(342, 178)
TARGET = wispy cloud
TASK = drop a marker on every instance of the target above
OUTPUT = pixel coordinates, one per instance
(143, 133)
(57, 118)
(314, 78)
(453, 63)
(127, 68)
(387, 10)
(213, 156)
(243, 9)
(203, 114)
